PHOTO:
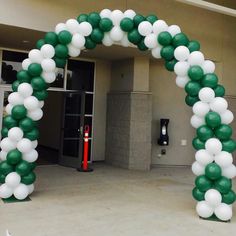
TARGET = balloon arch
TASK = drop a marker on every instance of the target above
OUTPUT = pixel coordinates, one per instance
(214, 163)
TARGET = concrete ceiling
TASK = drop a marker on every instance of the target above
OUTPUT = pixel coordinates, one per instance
(14, 37)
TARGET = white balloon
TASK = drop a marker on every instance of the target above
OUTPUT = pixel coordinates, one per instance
(224, 212)
(24, 145)
(151, 41)
(36, 114)
(72, 26)
(3, 155)
(12, 180)
(130, 14)
(107, 41)
(34, 144)
(229, 171)
(145, 28)
(41, 104)
(105, 13)
(60, 27)
(15, 134)
(116, 17)
(181, 81)
(197, 121)
(31, 103)
(47, 51)
(208, 67)
(203, 157)
(85, 28)
(159, 26)
(15, 98)
(78, 40)
(213, 197)
(224, 159)
(181, 68)
(181, 53)
(30, 188)
(204, 210)
(5, 191)
(73, 51)
(201, 108)
(21, 192)
(213, 146)
(25, 90)
(35, 56)
(206, 94)
(219, 105)
(116, 33)
(8, 108)
(198, 169)
(26, 63)
(49, 77)
(30, 156)
(48, 65)
(156, 52)
(196, 58)
(125, 41)
(227, 117)
(7, 144)
(173, 30)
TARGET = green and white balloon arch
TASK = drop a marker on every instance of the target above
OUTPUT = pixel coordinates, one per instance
(214, 162)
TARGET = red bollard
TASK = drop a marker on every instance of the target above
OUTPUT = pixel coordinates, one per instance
(85, 167)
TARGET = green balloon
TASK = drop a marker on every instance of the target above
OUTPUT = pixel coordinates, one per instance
(229, 198)
(197, 194)
(198, 144)
(195, 73)
(134, 36)
(151, 18)
(4, 132)
(23, 76)
(38, 83)
(40, 43)
(164, 38)
(2, 179)
(32, 165)
(219, 91)
(210, 80)
(126, 24)
(41, 95)
(60, 62)
(5, 168)
(213, 171)
(179, 40)
(94, 19)
(223, 132)
(191, 100)
(89, 43)
(9, 122)
(28, 179)
(223, 185)
(32, 135)
(169, 65)
(192, 88)
(213, 119)
(14, 157)
(51, 38)
(82, 18)
(15, 85)
(105, 24)
(97, 35)
(35, 69)
(26, 124)
(204, 132)
(167, 52)
(61, 51)
(141, 45)
(18, 112)
(23, 168)
(64, 37)
(203, 183)
(138, 19)
(229, 145)
(193, 46)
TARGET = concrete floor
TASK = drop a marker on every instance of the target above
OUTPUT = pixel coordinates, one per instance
(110, 202)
